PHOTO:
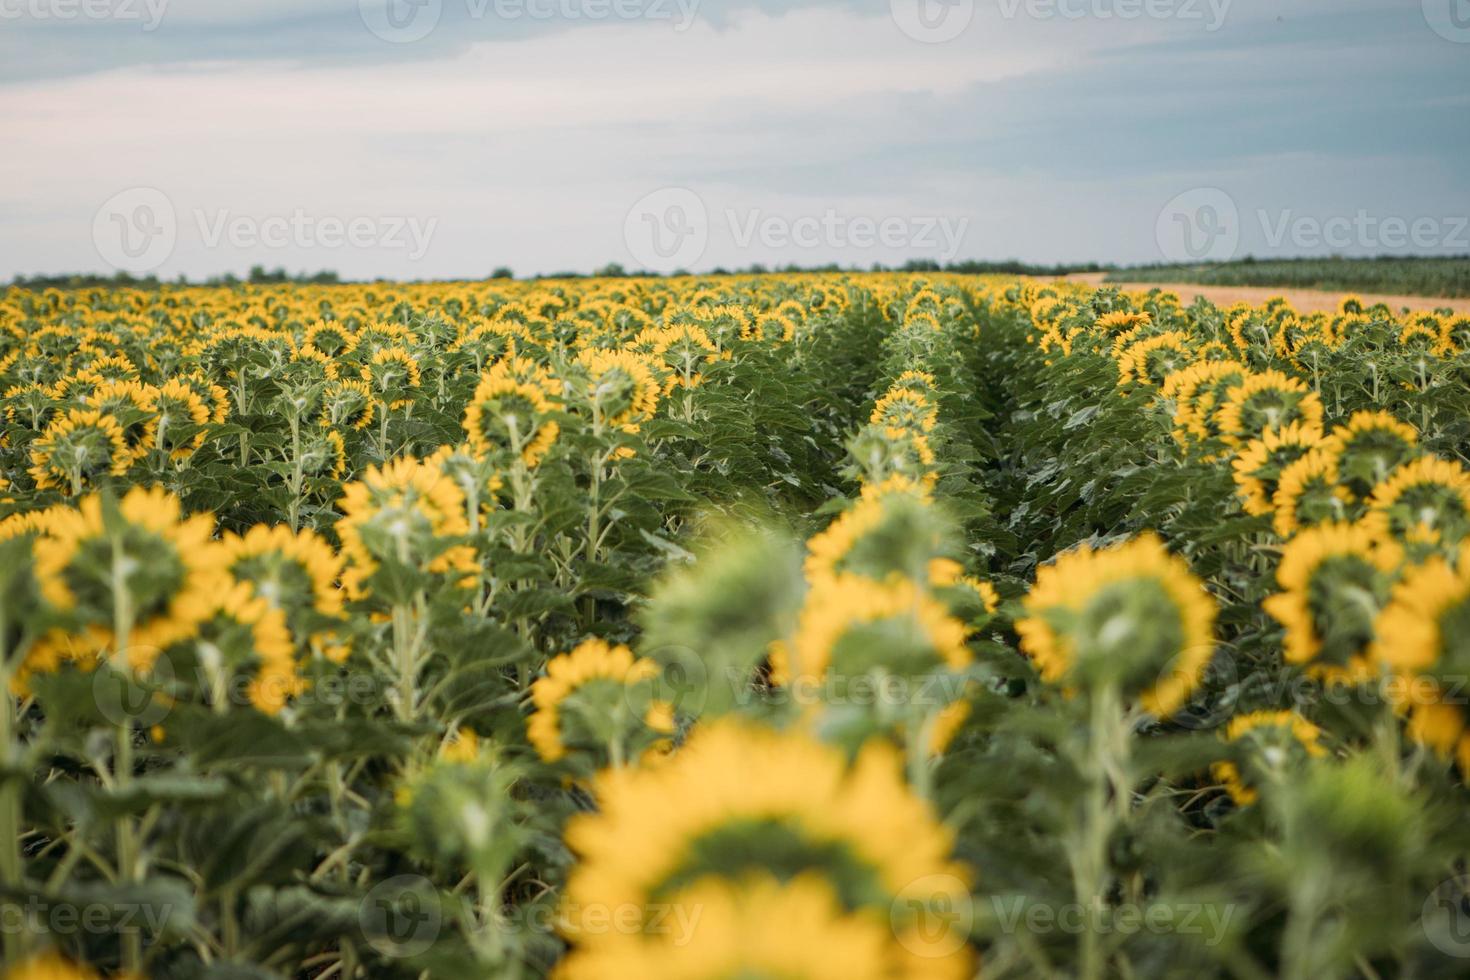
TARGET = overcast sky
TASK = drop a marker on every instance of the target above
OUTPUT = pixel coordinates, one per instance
(443, 138)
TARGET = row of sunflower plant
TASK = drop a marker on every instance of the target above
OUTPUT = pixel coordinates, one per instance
(1251, 529)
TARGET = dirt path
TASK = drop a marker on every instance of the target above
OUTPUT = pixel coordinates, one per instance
(1305, 300)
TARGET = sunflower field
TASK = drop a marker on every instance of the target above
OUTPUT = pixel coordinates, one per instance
(795, 626)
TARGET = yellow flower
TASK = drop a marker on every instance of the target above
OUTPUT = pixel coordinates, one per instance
(508, 410)
(1308, 493)
(1370, 446)
(1131, 611)
(1265, 401)
(761, 927)
(1259, 465)
(1427, 500)
(1424, 638)
(162, 569)
(77, 449)
(621, 389)
(592, 660)
(846, 618)
(1332, 579)
(49, 966)
(392, 370)
(290, 571)
(401, 511)
(737, 799)
(1272, 736)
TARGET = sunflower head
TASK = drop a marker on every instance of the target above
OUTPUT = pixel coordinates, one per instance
(1424, 504)
(893, 529)
(79, 450)
(406, 515)
(851, 834)
(1259, 465)
(1309, 492)
(135, 564)
(1334, 579)
(1266, 748)
(617, 387)
(1369, 447)
(1130, 616)
(508, 416)
(597, 704)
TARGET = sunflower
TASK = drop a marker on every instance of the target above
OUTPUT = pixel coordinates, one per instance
(889, 530)
(850, 626)
(1196, 392)
(1265, 401)
(135, 564)
(245, 636)
(295, 572)
(1334, 579)
(1259, 465)
(904, 409)
(1424, 638)
(508, 413)
(1131, 613)
(1151, 360)
(740, 801)
(1369, 447)
(620, 388)
(1425, 503)
(49, 965)
(770, 327)
(1265, 745)
(77, 450)
(1309, 493)
(407, 512)
(391, 375)
(329, 338)
(583, 697)
(178, 427)
(758, 927)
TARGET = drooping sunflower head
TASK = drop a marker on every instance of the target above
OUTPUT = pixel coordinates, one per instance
(1258, 466)
(1197, 392)
(1424, 504)
(1151, 360)
(739, 806)
(391, 375)
(1370, 446)
(1266, 748)
(1334, 579)
(770, 328)
(1130, 615)
(348, 404)
(406, 513)
(137, 563)
(618, 387)
(1266, 401)
(1310, 492)
(1424, 639)
(77, 450)
(330, 338)
(246, 641)
(596, 701)
(892, 530)
(508, 416)
(904, 409)
(294, 572)
(852, 629)
(178, 428)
